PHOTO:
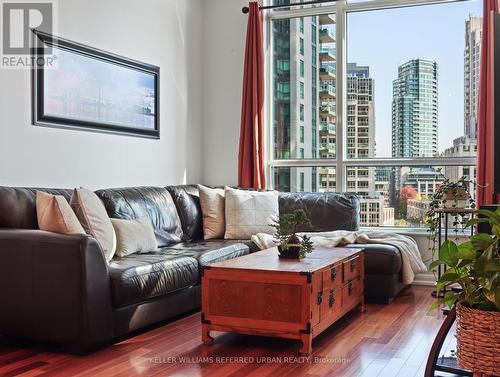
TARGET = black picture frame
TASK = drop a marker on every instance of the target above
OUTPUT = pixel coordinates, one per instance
(39, 69)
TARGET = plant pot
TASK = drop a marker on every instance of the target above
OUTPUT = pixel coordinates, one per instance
(478, 337)
(293, 252)
(456, 198)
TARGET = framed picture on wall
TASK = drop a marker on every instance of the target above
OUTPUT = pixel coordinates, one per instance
(86, 88)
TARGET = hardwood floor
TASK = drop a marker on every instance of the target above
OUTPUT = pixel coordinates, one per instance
(385, 340)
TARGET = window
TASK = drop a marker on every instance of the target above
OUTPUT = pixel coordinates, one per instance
(413, 116)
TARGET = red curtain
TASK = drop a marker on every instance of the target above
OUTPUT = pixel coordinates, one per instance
(251, 152)
(485, 124)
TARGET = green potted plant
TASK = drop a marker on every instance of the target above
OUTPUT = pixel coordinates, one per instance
(449, 194)
(474, 266)
(290, 245)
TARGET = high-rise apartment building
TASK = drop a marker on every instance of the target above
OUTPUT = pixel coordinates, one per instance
(414, 124)
(472, 56)
(361, 144)
(295, 110)
(415, 110)
(466, 146)
(304, 97)
(328, 105)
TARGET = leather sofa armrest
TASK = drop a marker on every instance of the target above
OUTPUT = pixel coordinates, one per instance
(54, 288)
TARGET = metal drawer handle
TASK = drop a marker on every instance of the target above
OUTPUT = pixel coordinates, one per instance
(353, 264)
(333, 274)
(320, 298)
(350, 287)
(331, 300)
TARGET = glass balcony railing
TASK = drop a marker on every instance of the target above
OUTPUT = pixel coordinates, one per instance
(327, 148)
(326, 36)
(328, 110)
(327, 127)
(329, 50)
(326, 72)
(327, 54)
(327, 90)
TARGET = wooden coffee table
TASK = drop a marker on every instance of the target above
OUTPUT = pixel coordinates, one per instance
(260, 294)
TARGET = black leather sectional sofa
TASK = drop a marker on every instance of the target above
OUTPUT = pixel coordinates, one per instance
(59, 289)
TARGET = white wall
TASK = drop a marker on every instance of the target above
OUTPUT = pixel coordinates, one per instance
(224, 36)
(166, 33)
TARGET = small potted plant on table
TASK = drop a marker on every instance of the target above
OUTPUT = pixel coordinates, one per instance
(474, 265)
(290, 245)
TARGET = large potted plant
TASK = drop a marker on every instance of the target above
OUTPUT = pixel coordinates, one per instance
(474, 266)
(290, 245)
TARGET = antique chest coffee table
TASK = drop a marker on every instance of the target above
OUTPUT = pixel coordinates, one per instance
(261, 294)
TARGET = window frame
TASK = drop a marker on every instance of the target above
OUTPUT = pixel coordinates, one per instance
(341, 162)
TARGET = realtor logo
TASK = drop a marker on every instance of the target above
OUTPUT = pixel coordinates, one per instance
(18, 19)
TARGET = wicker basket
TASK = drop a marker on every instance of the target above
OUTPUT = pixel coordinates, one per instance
(478, 340)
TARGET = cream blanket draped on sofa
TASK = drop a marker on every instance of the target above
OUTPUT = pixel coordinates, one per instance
(410, 255)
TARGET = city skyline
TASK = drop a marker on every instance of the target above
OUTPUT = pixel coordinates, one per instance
(440, 38)
(305, 115)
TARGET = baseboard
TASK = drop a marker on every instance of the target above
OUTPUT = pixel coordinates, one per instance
(426, 278)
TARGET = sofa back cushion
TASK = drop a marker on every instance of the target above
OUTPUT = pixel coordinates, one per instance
(18, 206)
(187, 202)
(327, 211)
(153, 202)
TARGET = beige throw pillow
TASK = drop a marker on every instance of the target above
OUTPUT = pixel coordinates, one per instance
(94, 219)
(249, 213)
(212, 209)
(54, 214)
(134, 236)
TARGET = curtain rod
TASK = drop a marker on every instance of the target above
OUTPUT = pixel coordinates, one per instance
(246, 9)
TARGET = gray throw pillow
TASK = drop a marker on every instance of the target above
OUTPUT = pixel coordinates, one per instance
(134, 236)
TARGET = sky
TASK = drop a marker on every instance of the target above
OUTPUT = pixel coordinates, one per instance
(385, 39)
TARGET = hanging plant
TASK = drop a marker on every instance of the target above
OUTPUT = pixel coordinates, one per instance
(448, 195)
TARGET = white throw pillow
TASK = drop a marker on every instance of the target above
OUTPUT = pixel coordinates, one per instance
(94, 219)
(134, 236)
(212, 208)
(249, 213)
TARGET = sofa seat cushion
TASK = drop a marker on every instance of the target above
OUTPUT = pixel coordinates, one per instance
(208, 252)
(381, 259)
(139, 277)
